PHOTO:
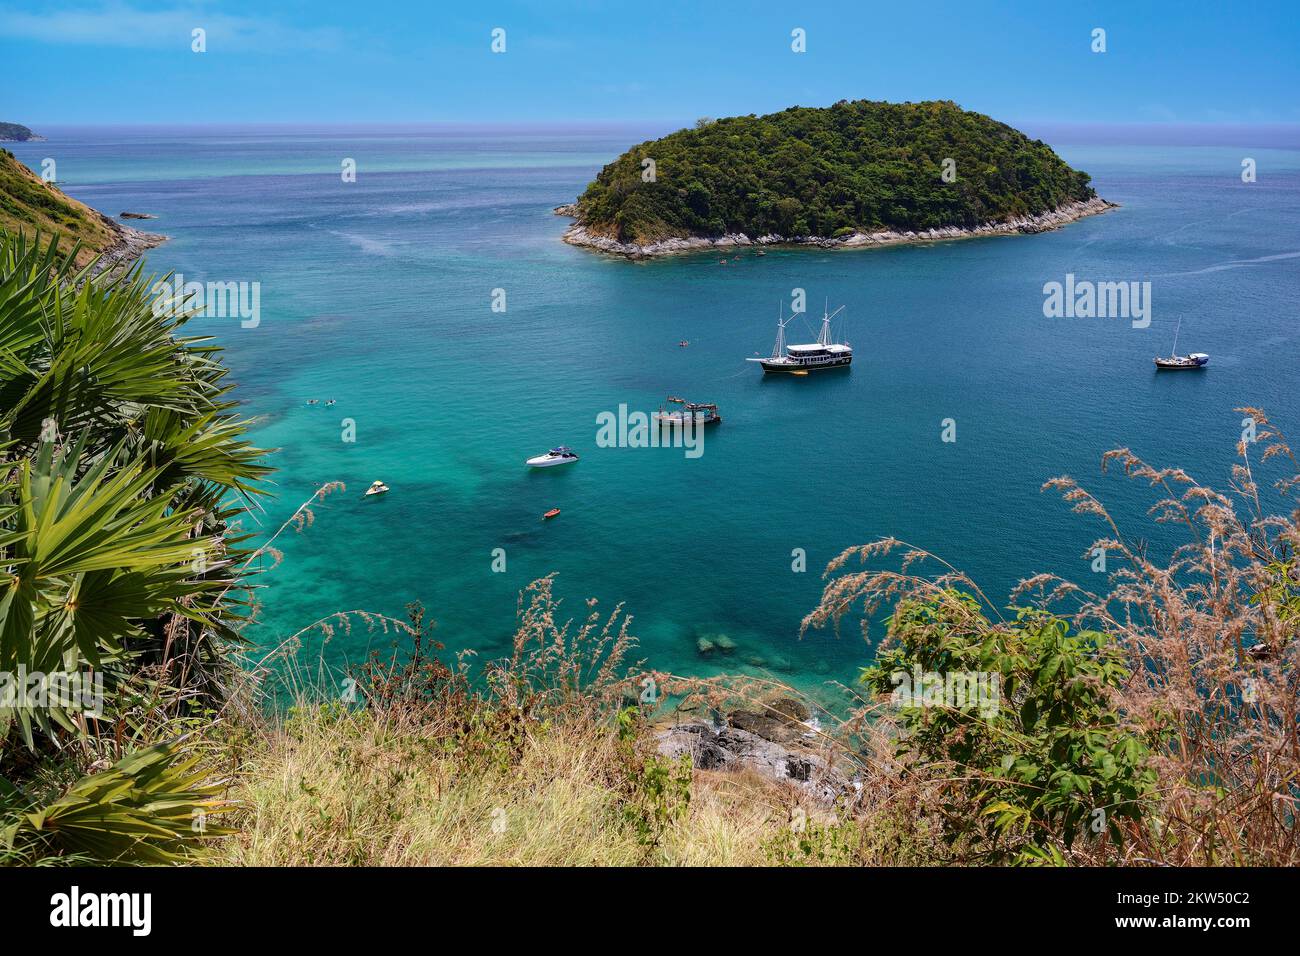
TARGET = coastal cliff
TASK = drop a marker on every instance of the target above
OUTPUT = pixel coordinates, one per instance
(30, 206)
(856, 174)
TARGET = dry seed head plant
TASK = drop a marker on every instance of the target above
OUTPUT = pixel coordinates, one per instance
(1200, 677)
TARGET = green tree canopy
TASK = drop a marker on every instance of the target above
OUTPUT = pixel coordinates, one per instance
(860, 165)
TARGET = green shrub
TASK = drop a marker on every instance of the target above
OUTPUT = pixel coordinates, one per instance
(657, 791)
(1054, 760)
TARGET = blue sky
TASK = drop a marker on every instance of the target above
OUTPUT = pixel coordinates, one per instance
(325, 61)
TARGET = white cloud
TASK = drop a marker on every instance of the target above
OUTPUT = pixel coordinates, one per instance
(121, 25)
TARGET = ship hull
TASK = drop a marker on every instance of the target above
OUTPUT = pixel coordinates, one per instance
(787, 368)
(668, 422)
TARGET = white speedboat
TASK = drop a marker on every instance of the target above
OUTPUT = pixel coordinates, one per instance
(377, 488)
(563, 455)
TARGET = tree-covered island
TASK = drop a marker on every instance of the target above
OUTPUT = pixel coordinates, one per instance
(856, 173)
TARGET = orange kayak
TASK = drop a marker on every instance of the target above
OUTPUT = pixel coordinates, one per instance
(551, 514)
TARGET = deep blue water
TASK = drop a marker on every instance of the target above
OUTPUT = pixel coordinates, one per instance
(377, 294)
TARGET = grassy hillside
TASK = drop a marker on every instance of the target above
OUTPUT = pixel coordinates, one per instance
(29, 205)
(343, 788)
(855, 166)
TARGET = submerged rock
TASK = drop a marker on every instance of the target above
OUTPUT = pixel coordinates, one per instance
(708, 643)
(790, 709)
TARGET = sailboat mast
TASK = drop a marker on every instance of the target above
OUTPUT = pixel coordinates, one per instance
(1177, 329)
(825, 338)
(779, 348)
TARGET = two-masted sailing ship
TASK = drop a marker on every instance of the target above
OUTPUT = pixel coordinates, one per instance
(801, 359)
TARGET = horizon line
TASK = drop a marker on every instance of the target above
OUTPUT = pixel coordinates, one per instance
(543, 123)
(1235, 133)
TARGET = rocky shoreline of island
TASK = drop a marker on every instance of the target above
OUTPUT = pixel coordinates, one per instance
(579, 235)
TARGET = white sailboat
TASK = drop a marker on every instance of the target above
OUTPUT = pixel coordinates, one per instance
(1175, 361)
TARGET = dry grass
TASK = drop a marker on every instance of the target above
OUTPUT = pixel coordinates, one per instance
(523, 766)
(338, 788)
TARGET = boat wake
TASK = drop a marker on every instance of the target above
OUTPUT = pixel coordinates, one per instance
(1231, 264)
(367, 244)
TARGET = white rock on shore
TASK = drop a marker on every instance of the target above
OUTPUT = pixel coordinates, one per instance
(578, 235)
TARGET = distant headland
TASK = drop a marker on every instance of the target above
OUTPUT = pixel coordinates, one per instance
(16, 133)
(856, 174)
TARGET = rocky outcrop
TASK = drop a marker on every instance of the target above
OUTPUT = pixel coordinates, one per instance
(126, 247)
(775, 744)
(767, 726)
(578, 234)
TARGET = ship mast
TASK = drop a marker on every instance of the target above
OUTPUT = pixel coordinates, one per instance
(825, 338)
(779, 349)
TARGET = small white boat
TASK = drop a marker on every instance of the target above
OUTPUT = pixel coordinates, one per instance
(562, 455)
(1175, 361)
(377, 488)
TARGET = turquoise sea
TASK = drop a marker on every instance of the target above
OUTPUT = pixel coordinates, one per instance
(378, 294)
